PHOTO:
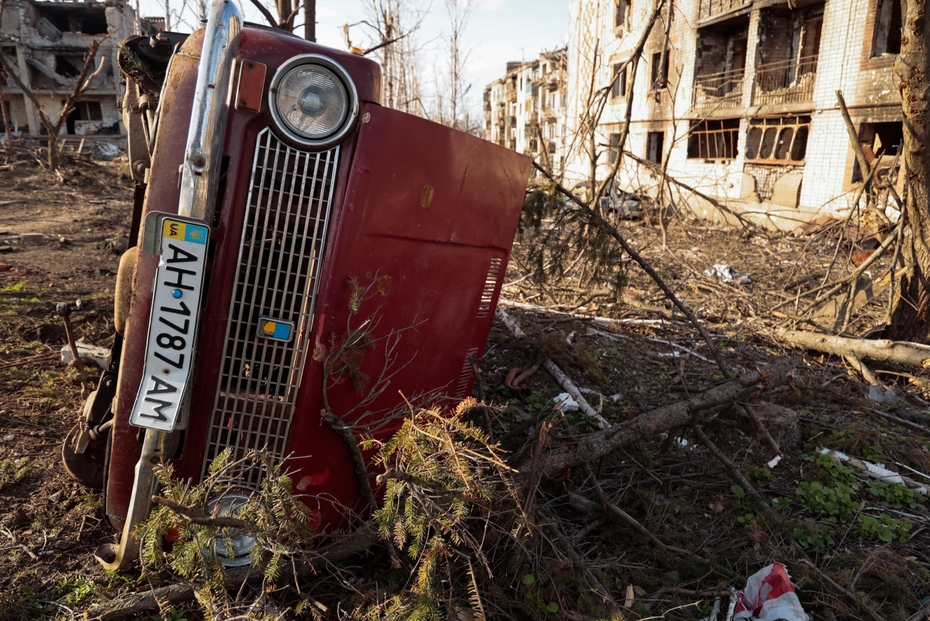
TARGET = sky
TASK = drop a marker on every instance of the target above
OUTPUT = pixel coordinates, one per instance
(498, 31)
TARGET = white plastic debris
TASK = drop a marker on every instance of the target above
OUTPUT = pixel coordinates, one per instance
(106, 151)
(616, 397)
(880, 394)
(774, 461)
(876, 471)
(726, 274)
(566, 403)
(769, 596)
(9, 438)
(100, 355)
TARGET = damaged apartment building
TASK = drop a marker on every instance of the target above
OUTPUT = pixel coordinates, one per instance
(46, 44)
(525, 110)
(738, 98)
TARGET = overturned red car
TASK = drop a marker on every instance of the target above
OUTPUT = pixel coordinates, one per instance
(273, 196)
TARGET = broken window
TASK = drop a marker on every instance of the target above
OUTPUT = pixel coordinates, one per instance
(654, 146)
(788, 52)
(621, 12)
(720, 64)
(781, 140)
(660, 63)
(87, 119)
(68, 65)
(886, 32)
(618, 86)
(87, 18)
(880, 141)
(613, 152)
(713, 139)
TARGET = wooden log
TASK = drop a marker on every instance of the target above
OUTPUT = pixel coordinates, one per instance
(884, 350)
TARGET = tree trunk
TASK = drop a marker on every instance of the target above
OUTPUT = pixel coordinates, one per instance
(910, 319)
(52, 151)
(310, 20)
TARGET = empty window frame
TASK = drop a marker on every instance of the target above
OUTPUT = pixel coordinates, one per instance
(713, 139)
(621, 12)
(886, 31)
(659, 69)
(781, 140)
(618, 84)
(879, 141)
(654, 142)
(613, 150)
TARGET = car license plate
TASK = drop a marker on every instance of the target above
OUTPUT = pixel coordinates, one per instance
(173, 325)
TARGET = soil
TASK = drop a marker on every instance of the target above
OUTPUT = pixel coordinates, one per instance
(60, 238)
(57, 242)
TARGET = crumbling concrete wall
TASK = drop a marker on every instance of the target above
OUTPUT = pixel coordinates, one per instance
(47, 43)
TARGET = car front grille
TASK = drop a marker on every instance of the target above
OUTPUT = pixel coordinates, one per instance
(280, 254)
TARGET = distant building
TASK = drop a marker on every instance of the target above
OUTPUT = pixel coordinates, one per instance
(742, 102)
(525, 110)
(46, 42)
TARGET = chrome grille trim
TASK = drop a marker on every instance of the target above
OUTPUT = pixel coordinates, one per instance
(280, 254)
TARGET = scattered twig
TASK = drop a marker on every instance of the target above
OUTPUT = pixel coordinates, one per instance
(730, 467)
(843, 590)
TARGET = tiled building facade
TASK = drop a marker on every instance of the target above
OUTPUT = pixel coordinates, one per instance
(525, 110)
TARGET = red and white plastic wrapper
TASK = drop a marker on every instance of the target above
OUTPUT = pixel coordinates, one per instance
(768, 596)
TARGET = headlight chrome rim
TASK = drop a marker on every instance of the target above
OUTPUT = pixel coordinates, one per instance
(341, 75)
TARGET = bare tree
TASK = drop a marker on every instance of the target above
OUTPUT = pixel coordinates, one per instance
(452, 92)
(910, 319)
(310, 20)
(392, 24)
(81, 85)
(3, 116)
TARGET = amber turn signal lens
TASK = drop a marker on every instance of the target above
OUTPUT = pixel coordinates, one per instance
(251, 86)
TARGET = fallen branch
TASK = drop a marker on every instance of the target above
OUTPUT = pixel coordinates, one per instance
(196, 517)
(884, 350)
(137, 603)
(598, 444)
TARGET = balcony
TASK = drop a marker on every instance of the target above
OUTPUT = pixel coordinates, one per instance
(713, 8)
(785, 82)
(718, 90)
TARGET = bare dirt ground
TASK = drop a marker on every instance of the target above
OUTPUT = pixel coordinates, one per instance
(53, 248)
(57, 239)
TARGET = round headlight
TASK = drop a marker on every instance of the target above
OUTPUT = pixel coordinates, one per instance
(311, 101)
(234, 547)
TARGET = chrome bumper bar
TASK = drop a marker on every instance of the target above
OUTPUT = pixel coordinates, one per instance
(199, 174)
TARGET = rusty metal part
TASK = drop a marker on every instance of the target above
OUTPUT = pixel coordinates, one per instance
(123, 295)
(85, 466)
(518, 375)
(64, 310)
(138, 130)
(118, 557)
(145, 59)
